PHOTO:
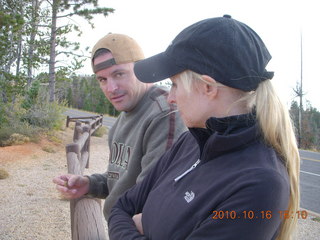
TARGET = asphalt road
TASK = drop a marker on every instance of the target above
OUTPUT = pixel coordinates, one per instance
(310, 180)
(309, 171)
(107, 121)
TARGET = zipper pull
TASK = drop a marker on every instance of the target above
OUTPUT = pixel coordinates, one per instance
(187, 171)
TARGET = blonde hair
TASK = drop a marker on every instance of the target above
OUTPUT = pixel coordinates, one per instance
(277, 130)
(189, 80)
(275, 123)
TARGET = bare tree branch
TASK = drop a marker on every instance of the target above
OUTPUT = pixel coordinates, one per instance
(67, 15)
(49, 2)
(40, 25)
(70, 53)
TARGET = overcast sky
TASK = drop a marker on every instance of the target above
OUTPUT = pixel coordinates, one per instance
(280, 23)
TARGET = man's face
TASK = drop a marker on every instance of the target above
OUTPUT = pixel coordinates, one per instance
(119, 84)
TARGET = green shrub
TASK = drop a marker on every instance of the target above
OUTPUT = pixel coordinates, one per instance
(47, 115)
(54, 137)
(3, 115)
(5, 133)
(38, 119)
(49, 149)
(31, 95)
(100, 131)
(11, 111)
(8, 132)
(16, 139)
(3, 173)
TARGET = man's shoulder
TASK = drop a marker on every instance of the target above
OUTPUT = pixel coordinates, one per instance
(159, 96)
(157, 91)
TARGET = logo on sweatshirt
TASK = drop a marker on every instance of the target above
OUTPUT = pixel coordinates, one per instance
(113, 175)
(189, 196)
(120, 155)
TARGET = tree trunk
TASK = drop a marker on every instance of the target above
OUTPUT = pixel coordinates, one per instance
(52, 61)
(34, 30)
(301, 94)
(19, 52)
(2, 91)
(12, 55)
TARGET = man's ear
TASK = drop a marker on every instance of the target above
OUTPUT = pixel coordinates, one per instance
(211, 89)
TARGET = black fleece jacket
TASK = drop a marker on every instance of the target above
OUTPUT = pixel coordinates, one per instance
(222, 182)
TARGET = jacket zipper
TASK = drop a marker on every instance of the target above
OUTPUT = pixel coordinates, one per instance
(187, 171)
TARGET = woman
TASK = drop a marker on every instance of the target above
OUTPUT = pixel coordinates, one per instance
(236, 169)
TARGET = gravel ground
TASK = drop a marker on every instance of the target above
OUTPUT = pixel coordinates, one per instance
(32, 209)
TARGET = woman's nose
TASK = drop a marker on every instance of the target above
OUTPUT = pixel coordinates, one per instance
(171, 97)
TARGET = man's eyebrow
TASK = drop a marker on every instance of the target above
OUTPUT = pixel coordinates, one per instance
(104, 64)
(115, 71)
(121, 69)
(100, 77)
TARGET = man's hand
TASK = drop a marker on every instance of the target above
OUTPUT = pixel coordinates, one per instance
(72, 186)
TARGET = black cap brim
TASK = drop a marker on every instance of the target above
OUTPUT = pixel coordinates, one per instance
(156, 68)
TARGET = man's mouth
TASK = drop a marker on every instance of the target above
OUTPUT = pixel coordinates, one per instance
(117, 98)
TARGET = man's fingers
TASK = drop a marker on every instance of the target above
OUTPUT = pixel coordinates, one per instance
(76, 181)
(73, 180)
(59, 181)
(66, 192)
(62, 189)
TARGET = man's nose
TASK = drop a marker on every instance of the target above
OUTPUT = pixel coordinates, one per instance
(111, 86)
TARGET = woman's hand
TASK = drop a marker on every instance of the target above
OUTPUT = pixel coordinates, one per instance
(137, 221)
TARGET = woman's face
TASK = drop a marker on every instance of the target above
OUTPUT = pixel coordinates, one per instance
(191, 105)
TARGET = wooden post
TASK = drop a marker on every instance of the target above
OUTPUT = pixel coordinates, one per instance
(85, 213)
(68, 120)
(88, 220)
(87, 129)
(77, 131)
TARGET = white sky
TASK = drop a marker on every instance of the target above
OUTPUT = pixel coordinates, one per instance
(279, 23)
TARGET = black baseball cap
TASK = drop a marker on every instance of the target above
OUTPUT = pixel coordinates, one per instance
(223, 48)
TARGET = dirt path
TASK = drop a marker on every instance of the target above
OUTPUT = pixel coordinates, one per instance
(31, 208)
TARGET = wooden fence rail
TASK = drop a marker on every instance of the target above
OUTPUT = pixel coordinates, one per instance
(85, 212)
(98, 119)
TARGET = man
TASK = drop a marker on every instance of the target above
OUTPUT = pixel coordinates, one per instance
(145, 129)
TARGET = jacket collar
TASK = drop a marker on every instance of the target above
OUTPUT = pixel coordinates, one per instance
(225, 134)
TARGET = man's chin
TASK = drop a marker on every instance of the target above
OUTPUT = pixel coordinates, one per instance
(120, 108)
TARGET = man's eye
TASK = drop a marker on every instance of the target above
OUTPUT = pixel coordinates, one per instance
(102, 80)
(119, 74)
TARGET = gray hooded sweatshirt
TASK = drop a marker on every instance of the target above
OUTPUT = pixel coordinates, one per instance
(136, 141)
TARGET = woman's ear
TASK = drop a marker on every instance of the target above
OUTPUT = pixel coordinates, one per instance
(210, 87)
